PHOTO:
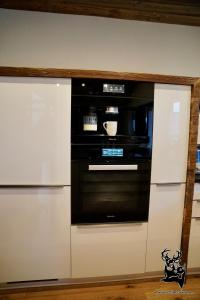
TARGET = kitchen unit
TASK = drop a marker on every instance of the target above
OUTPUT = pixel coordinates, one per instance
(38, 200)
(34, 178)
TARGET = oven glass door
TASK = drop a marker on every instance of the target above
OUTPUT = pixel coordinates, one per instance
(110, 193)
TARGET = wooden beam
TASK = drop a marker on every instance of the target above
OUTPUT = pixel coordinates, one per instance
(73, 73)
(191, 164)
(186, 12)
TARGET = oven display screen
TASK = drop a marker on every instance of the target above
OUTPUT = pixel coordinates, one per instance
(112, 152)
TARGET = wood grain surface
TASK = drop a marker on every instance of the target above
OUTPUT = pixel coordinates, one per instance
(194, 120)
(152, 290)
(186, 12)
(75, 73)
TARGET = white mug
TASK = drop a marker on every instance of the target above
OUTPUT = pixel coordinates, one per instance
(110, 127)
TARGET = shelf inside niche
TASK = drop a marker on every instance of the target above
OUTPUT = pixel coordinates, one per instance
(102, 139)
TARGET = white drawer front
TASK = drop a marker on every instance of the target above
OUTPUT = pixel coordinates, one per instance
(196, 195)
(108, 250)
(196, 209)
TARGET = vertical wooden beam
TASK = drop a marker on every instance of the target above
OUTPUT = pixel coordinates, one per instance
(194, 119)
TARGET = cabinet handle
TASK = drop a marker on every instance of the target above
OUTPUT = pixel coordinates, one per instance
(198, 200)
(167, 183)
(196, 218)
(108, 225)
(112, 167)
(33, 186)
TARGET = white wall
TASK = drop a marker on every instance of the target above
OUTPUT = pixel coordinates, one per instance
(34, 39)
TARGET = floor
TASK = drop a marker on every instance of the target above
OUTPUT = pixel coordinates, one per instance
(135, 291)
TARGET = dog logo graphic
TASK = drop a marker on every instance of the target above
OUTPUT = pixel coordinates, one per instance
(173, 269)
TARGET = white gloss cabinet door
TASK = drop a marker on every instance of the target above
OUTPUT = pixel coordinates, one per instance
(35, 131)
(35, 233)
(194, 244)
(196, 195)
(170, 133)
(108, 250)
(165, 223)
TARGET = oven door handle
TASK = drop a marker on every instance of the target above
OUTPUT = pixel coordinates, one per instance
(112, 167)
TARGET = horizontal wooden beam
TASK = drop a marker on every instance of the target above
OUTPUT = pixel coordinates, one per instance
(73, 73)
(186, 12)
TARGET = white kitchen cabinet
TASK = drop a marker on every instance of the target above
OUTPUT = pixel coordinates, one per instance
(194, 244)
(196, 201)
(170, 133)
(34, 233)
(35, 131)
(196, 209)
(108, 250)
(196, 195)
(165, 223)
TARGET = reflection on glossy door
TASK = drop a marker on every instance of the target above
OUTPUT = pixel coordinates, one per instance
(35, 131)
(170, 133)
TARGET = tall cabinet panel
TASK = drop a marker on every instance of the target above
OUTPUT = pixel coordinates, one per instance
(35, 131)
(34, 233)
(170, 133)
(169, 167)
(34, 178)
(165, 223)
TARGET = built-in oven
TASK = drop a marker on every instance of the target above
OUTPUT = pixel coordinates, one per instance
(110, 192)
(112, 124)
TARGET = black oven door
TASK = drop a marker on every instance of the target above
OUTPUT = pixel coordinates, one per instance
(103, 193)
